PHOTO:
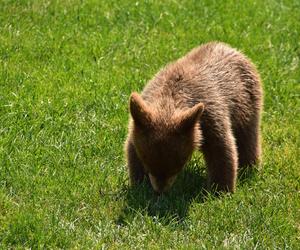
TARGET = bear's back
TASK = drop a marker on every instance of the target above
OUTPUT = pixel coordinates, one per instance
(215, 74)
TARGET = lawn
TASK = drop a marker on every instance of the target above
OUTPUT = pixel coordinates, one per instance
(67, 69)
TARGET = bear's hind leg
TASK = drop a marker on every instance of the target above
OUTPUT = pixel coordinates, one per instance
(248, 144)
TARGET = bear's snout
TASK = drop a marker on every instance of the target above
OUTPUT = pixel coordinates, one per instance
(161, 185)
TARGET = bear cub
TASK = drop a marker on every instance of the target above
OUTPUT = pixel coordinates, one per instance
(211, 100)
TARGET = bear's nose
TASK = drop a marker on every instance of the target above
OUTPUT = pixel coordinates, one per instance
(157, 184)
(161, 185)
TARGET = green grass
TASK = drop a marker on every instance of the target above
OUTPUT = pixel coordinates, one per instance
(66, 71)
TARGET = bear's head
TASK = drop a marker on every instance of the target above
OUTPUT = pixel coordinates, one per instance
(164, 143)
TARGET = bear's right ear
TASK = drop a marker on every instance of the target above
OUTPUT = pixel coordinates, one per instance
(140, 113)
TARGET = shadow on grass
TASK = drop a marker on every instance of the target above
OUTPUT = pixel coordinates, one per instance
(189, 186)
(247, 175)
(173, 206)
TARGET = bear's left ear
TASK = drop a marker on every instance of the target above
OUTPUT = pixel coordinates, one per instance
(140, 113)
(189, 118)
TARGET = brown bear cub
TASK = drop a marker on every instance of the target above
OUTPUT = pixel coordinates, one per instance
(210, 99)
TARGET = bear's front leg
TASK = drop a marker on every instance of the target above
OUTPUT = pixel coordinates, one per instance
(220, 153)
(134, 165)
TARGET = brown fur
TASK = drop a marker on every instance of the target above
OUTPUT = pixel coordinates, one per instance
(210, 99)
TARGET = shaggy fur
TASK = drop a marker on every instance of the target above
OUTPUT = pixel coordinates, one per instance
(210, 99)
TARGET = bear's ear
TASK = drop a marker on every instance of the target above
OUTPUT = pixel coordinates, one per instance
(140, 113)
(188, 119)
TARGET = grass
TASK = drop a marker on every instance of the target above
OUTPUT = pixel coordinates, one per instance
(66, 71)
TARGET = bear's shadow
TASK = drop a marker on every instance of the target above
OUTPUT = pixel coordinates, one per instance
(173, 205)
(189, 187)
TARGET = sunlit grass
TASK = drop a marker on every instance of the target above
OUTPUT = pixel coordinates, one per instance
(66, 71)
